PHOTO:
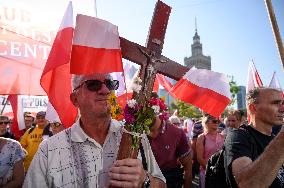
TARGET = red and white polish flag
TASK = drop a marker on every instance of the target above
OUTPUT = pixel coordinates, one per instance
(18, 121)
(163, 81)
(56, 77)
(96, 47)
(253, 79)
(274, 83)
(205, 89)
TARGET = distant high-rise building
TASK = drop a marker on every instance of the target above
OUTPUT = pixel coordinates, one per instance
(197, 58)
(241, 97)
(164, 94)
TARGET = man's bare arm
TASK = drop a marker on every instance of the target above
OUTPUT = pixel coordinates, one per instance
(156, 182)
(263, 171)
(187, 165)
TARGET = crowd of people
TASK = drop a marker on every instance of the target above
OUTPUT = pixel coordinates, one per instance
(175, 151)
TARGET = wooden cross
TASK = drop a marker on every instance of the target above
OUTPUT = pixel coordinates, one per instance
(152, 61)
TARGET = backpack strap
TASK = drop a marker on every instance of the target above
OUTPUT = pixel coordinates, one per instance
(31, 129)
(144, 162)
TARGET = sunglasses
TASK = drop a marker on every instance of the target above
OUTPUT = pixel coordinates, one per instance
(96, 85)
(4, 122)
(57, 124)
(215, 121)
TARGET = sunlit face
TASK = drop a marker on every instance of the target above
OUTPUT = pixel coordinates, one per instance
(28, 121)
(232, 121)
(93, 103)
(212, 124)
(41, 121)
(3, 126)
(270, 107)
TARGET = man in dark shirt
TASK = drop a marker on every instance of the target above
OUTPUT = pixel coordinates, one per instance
(254, 156)
(171, 150)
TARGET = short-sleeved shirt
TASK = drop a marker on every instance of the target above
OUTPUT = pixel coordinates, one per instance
(72, 159)
(170, 145)
(10, 154)
(239, 144)
(30, 142)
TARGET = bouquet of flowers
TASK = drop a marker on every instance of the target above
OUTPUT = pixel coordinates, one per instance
(116, 110)
(139, 118)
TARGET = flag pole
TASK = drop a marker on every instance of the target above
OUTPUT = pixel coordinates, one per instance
(275, 30)
(96, 10)
(4, 106)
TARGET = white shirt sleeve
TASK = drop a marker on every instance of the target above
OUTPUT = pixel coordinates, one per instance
(37, 175)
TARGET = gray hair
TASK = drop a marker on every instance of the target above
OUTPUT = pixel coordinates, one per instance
(252, 96)
(174, 119)
(76, 80)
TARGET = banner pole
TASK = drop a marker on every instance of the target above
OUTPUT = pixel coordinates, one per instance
(275, 30)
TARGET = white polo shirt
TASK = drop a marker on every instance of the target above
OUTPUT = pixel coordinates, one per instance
(72, 159)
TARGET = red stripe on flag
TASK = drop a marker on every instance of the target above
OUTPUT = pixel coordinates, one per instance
(208, 100)
(156, 85)
(15, 126)
(258, 80)
(60, 51)
(164, 82)
(88, 60)
(56, 78)
(122, 99)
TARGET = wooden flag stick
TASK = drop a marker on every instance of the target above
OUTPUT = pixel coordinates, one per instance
(275, 30)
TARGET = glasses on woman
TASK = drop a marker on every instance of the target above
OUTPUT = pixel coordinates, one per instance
(55, 125)
(215, 121)
(4, 122)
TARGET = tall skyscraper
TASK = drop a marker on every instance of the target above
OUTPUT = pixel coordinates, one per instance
(197, 58)
(241, 97)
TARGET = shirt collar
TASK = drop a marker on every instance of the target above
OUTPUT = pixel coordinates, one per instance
(78, 135)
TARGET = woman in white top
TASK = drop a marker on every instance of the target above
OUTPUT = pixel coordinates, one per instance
(11, 163)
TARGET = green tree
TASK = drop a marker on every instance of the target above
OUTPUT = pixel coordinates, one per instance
(234, 89)
(187, 110)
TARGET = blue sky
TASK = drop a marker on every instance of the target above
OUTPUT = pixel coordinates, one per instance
(232, 31)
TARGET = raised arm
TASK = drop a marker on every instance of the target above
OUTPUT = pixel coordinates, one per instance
(264, 169)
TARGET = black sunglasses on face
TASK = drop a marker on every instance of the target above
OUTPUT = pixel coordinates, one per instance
(96, 85)
(215, 121)
(56, 124)
(4, 122)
